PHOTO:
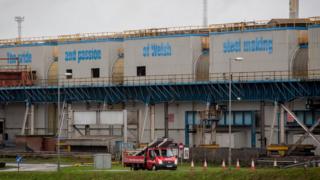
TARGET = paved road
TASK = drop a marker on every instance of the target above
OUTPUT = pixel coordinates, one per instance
(33, 167)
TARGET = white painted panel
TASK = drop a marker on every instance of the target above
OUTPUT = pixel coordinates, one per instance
(184, 50)
(38, 58)
(111, 117)
(276, 56)
(102, 55)
(238, 140)
(81, 118)
(314, 48)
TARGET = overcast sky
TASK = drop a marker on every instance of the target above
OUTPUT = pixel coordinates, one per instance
(56, 17)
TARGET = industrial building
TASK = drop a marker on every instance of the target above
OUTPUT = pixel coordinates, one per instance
(132, 87)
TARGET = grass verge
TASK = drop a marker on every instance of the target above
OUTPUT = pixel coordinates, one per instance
(85, 173)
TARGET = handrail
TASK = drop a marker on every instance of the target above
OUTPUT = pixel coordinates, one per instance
(6, 68)
(120, 80)
(168, 30)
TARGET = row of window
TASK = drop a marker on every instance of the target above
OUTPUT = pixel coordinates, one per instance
(95, 72)
(306, 117)
(238, 118)
(246, 118)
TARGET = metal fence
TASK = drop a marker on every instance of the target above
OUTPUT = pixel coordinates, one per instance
(237, 77)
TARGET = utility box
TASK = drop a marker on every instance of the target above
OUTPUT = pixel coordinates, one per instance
(102, 161)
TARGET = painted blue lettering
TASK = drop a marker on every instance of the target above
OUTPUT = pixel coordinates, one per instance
(83, 55)
(155, 50)
(257, 45)
(23, 58)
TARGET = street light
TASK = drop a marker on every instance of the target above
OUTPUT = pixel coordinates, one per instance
(61, 123)
(230, 90)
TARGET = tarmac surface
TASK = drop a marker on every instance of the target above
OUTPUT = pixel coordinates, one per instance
(32, 167)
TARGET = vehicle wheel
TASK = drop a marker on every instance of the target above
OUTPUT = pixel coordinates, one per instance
(154, 168)
(135, 167)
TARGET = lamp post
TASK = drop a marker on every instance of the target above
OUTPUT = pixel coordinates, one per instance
(230, 98)
(61, 122)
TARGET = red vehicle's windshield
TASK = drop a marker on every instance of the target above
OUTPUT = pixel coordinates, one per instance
(164, 152)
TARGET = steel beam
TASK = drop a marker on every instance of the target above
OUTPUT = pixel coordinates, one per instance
(301, 124)
(283, 91)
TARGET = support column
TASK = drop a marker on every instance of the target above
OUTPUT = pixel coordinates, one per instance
(282, 130)
(262, 125)
(144, 121)
(253, 131)
(70, 121)
(166, 120)
(125, 126)
(203, 123)
(25, 119)
(139, 114)
(152, 122)
(275, 115)
(32, 119)
(214, 133)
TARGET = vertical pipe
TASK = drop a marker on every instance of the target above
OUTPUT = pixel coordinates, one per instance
(203, 121)
(282, 130)
(205, 13)
(144, 121)
(138, 126)
(166, 120)
(19, 30)
(23, 129)
(275, 113)
(152, 123)
(125, 127)
(70, 121)
(213, 133)
(32, 119)
(294, 9)
(194, 135)
(230, 81)
(253, 131)
(186, 130)
(262, 125)
(58, 121)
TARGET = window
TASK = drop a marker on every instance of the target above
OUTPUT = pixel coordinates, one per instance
(34, 75)
(141, 70)
(238, 118)
(69, 73)
(95, 72)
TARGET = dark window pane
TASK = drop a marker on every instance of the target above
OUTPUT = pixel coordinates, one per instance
(95, 72)
(69, 73)
(141, 71)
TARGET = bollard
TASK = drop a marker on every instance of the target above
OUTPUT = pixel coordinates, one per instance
(238, 164)
(275, 163)
(253, 167)
(205, 165)
(223, 165)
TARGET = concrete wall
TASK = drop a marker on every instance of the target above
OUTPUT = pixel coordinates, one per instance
(177, 54)
(82, 56)
(14, 115)
(38, 57)
(314, 48)
(274, 52)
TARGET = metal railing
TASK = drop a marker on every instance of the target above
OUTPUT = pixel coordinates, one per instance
(14, 68)
(167, 31)
(237, 77)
